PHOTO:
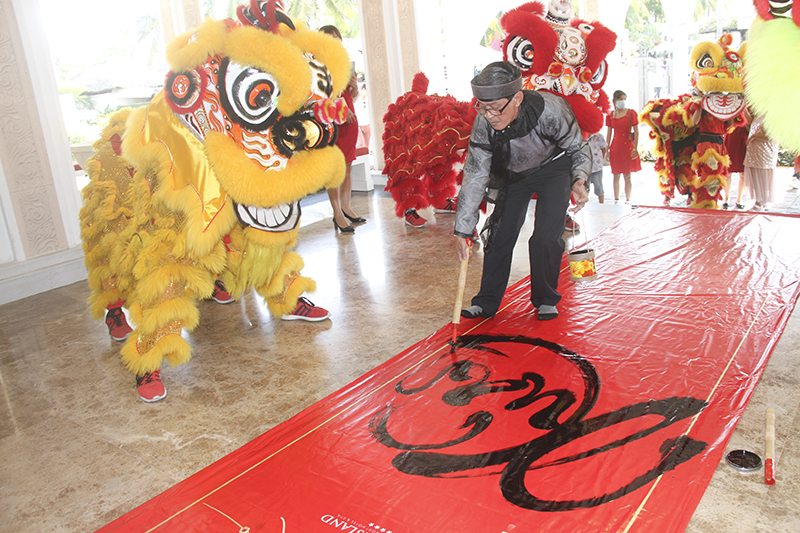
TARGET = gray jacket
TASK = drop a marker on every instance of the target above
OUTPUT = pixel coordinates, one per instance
(556, 134)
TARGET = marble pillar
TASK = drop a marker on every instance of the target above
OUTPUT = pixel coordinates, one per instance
(39, 233)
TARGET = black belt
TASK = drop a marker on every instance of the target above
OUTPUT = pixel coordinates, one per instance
(714, 138)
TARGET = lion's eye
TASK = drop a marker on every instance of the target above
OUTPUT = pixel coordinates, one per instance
(261, 95)
(705, 61)
(600, 74)
(249, 96)
(520, 52)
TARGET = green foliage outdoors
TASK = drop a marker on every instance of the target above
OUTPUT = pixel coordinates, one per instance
(644, 22)
(785, 158)
(220, 9)
(148, 34)
(317, 13)
(82, 100)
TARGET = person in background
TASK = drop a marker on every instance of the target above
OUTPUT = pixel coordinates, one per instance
(622, 151)
(522, 142)
(795, 183)
(760, 161)
(346, 141)
(736, 146)
(599, 148)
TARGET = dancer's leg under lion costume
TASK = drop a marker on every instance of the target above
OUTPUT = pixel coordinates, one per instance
(205, 181)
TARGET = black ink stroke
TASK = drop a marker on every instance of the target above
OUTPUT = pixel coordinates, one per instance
(418, 459)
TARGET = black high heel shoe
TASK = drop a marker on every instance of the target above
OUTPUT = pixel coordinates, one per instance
(346, 229)
(354, 220)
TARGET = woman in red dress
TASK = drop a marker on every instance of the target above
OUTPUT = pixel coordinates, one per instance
(346, 141)
(622, 152)
(735, 144)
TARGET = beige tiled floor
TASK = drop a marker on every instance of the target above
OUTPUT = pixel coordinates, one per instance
(79, 448)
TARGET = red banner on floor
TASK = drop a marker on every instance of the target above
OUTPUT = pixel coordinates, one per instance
(612, 417)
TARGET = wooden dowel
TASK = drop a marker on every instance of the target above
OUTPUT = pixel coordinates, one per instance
(462, 282)
(769, 448)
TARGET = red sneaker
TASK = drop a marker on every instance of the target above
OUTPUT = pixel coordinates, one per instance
(449, 206)
(149, 386)
(118, 326)
(571, 225)
(414, 220)
(307, 311)
(221, 294)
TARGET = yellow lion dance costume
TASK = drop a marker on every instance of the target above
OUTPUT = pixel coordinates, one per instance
(205, 181)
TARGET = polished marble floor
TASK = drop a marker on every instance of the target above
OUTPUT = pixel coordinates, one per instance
(80, 449)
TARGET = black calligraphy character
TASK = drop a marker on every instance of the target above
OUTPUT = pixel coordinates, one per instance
(417, 459)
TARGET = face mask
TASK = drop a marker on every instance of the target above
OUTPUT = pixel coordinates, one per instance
(619, 104)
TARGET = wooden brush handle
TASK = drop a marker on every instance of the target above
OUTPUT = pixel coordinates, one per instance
(462, 282)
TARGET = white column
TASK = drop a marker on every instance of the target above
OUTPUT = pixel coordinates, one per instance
(376, 70)
(590, 10)
(179, 16)
(409, 50)
(40, 201)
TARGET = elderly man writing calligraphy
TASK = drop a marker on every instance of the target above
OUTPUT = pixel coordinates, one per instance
(522, 142)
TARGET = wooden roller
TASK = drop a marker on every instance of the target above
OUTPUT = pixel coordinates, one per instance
(769, 448)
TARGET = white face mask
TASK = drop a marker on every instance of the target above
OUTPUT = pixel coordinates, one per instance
(619, 104)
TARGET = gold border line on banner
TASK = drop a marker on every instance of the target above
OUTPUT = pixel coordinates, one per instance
(695, 417)
(355, 403)
(413, 367)
(347, 409)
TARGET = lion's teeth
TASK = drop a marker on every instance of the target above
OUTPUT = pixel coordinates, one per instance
(283, 217)
(271, 219)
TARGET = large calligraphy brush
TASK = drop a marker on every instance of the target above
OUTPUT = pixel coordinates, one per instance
(462, 282)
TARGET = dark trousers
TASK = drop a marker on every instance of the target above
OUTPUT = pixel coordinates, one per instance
(551, 184)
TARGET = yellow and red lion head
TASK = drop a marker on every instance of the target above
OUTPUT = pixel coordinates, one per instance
(255, 92)
(717, 74)
(205, 181)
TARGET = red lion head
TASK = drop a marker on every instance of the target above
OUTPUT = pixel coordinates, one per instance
(561, 55)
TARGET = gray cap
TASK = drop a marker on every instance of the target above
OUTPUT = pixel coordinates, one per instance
(497, 80)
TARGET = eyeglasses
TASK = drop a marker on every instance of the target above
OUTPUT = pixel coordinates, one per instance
(489, 112)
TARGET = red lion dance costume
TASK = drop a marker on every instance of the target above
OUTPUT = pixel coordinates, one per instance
(562, 55)
(689, 132)
(426, 136)
(424, 140)
(205, 181)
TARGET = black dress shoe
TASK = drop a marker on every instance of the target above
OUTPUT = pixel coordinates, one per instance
(346, 229)
(354, 220)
